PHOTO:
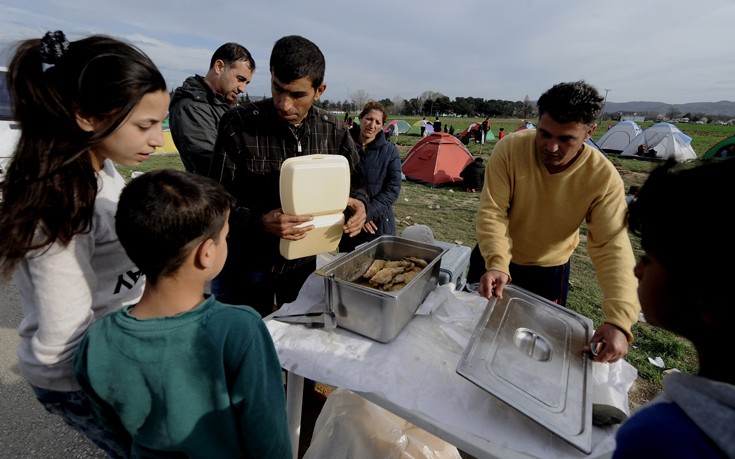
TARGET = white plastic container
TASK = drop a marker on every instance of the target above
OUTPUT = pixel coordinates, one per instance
(454, 264)
(317, 185)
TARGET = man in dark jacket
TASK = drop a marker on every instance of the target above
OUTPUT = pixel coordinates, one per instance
(197, 105)
(252, 143)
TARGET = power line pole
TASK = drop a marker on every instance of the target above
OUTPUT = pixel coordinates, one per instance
(604, 102)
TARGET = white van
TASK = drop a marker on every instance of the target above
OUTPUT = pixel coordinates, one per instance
(9, 130)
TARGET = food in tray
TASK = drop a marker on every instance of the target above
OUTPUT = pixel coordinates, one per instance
(393, 275)
(417, 261)
(376, 266)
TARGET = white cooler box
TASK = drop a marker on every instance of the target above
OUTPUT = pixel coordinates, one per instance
(317, 185)
(454, 264)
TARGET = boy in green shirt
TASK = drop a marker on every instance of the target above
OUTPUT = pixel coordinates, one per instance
(182, 373)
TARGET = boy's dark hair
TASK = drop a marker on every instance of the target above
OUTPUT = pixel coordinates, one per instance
(164, 214)
(295, 57)
(230, 53)
(682, 216)
(576, 102)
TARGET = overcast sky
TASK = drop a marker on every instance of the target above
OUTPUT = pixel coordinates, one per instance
(674, 51)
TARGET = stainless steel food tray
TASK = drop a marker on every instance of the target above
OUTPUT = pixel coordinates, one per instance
(374, 313)
(527, 351)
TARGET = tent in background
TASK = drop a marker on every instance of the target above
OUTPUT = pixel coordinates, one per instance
(471, 130)
(403, 126)
(722, 149)
(666, 140)
(168, 144)
(436, 159)
(619, 136)
(594, 145)
(525, 126)
(415, 128)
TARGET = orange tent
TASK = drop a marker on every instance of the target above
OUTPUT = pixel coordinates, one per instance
(436, 159)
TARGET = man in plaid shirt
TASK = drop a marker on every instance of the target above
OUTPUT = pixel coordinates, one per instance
(252, 143)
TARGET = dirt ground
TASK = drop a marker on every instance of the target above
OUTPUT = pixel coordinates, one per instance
(642, 392)
(635, 178)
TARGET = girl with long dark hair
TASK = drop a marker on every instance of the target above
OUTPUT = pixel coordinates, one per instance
(81, 105)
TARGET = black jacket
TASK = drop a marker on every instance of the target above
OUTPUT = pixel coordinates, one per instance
(194, 115)
(473, 174)
(381, 167)
(252, 144)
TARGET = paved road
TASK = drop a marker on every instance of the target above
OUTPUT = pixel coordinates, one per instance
(26, 429)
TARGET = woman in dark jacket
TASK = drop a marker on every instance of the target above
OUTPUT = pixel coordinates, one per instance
(381, 166)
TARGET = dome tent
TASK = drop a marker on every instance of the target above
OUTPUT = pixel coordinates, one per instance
(524, 126)
(666, 140)
(403, 126)
(722, 149)
(436, 159)
(472, 131)
(619, 136)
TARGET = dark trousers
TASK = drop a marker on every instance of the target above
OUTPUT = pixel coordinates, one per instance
(258, 287)
(550, 282)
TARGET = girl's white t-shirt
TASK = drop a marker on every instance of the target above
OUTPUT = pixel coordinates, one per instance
(63, 290)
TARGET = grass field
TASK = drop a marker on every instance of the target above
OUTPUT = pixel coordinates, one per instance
(451, 212)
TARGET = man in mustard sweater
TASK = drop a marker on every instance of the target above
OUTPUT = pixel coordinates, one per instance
(540, 185)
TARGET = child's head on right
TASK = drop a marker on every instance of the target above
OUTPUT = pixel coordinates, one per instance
(165, 214)
(683, 217)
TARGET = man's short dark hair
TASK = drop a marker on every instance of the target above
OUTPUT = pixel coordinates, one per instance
(576, 102)
(164, 214)
(230, 53)
(295, 57)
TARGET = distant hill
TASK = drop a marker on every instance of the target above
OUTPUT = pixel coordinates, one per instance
(722, 108)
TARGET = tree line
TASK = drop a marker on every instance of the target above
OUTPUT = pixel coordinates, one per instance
(432, 103)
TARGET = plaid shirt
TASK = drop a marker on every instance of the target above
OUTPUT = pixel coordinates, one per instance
(252, 143)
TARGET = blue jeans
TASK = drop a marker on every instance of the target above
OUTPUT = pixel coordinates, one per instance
(76, 410)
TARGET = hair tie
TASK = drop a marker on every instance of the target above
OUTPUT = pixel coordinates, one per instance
(53, 47)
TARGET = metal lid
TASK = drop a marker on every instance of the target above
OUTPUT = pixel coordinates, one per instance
(527, 351)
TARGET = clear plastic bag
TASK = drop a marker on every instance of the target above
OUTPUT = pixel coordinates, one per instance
(610, 385)
(350, 426)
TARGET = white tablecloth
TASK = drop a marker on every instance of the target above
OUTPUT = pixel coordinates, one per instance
(417, 371)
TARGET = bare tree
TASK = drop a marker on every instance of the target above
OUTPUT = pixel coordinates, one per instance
(398, 104)
(527, 107)
(429, 95)
(359, 99)
(673, 113)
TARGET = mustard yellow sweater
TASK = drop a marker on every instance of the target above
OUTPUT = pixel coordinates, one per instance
(532, 218)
